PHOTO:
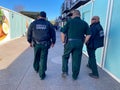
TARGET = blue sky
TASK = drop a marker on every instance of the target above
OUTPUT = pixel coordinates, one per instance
(52, 7)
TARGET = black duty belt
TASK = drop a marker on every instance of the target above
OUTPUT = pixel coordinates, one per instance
(41, 42)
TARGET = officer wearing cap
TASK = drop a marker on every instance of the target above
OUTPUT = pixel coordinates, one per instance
(41, 35)
(77, 32)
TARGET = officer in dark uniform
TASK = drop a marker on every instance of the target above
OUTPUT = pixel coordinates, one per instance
(96, 40)
(77, 32)
(41, 35)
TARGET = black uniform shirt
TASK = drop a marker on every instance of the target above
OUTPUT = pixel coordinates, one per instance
(41, 30)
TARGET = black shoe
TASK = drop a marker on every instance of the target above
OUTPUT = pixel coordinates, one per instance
(43, 76)
(64, 74)
(93, 76)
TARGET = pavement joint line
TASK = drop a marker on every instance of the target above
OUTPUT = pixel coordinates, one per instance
(23, 76)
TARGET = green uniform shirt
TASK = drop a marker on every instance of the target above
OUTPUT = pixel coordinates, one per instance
(76, 28)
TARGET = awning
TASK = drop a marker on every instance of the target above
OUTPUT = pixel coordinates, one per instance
(30, 14)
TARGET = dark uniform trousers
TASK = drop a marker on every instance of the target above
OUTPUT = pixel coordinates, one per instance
(40, 59)
(75, 48)
(92, 61)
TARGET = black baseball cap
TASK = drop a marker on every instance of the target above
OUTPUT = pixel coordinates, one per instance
(43, 14)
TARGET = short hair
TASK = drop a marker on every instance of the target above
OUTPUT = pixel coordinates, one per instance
(76, 12)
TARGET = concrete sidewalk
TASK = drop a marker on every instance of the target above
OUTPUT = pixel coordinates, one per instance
(16, 70)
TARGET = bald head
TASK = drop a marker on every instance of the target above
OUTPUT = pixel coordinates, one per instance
(95, 19)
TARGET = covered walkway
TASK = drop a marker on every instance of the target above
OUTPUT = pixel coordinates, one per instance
(16, 71)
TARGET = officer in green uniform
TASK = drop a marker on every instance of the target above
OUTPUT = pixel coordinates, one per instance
(78, 33)
(41, 35)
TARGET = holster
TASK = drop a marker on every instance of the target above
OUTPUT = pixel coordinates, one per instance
(44, 43)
